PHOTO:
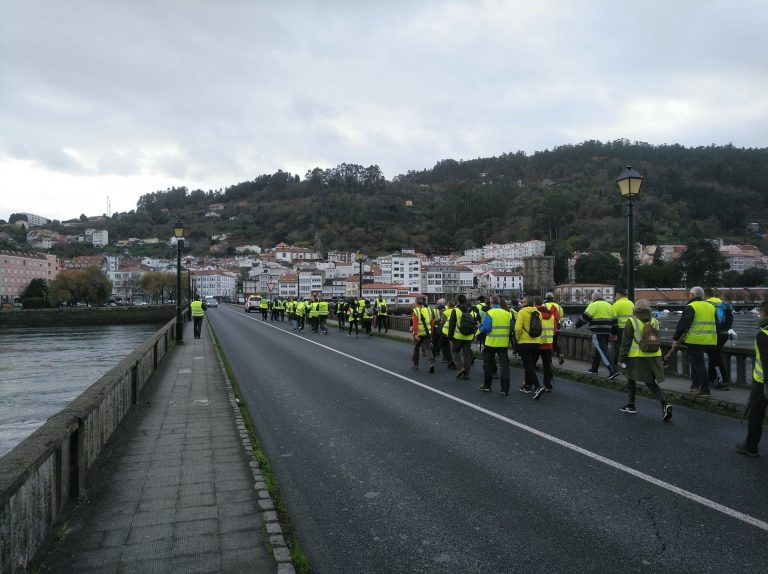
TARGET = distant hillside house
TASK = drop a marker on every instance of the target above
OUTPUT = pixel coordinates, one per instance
(99, 237)
(290, 254)
(216, 207)
(36, 220)
(18, 268)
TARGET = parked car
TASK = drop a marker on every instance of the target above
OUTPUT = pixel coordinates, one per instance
(210, 302)
(252, 303)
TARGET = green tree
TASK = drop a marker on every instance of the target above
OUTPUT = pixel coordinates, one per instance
(753, 277)
(599, 267)
(158, 284)
(35, 296)
(702, 263)
(88, 285)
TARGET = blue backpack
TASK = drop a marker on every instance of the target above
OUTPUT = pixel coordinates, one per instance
(723, 316)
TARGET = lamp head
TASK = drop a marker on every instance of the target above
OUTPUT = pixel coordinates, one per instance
(178, 229)
(629, 182)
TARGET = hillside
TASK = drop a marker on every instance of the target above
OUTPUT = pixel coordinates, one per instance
(566, 196)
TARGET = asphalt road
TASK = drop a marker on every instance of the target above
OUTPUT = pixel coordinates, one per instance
(385, 469)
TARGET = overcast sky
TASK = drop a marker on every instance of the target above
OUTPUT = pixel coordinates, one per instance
(120, 98)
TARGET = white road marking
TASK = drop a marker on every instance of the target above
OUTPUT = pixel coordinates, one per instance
(588, 453)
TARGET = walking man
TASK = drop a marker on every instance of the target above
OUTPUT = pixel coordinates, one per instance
(381, 313)
(422, 326)
(462, 343)
(758, 397)
(719, 376)
(496, 326)
(601, 318)
(624, 309)
(197, 309)
(557, 310)
(698, 331)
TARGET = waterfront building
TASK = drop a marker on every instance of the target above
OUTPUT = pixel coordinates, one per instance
(403, 268)
(215, 283)
(18, 268)
(581, 293)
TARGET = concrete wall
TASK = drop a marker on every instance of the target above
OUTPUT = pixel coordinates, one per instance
(49, 470)
(68, 317)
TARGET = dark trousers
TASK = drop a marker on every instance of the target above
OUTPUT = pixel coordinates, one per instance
(617, 346)
(445, 350)
(424, 341)
(462, 355)
(600, 343)
(353, 323)
(757, 405)
(717, 361)
(264, 314)
(197, 326)
(383, 322)
(367, 323)
(699, 374)
(342, 319)
(529, 352)
(322, 319)
(491, 355)
(546, 367)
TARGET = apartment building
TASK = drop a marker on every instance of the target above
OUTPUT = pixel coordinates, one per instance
(19, 268)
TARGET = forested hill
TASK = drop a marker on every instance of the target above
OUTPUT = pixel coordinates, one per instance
(566, 196)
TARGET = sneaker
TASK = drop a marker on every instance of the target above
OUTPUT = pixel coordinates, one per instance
(667, 410)
(485, 389)
(741, 448)
(414, 367)
(460, 373)
(593, 371)
(504, 393)
(613, 375)
(628, 409)
(537, 395)
(431, 369)
(561, 360)
(548, 388)
(526, 389)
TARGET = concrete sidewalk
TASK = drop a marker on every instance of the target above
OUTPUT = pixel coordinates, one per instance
(176, 487)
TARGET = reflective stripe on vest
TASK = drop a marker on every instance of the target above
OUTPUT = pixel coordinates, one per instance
(547, 331)
(447, 315)
(703, 330)
(499, 335)
(197, 308)
(634, 349)
(757, 372)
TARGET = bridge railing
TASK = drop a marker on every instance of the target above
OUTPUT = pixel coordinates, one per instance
(48, 470)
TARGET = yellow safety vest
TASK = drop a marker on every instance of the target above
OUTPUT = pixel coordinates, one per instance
(523, 325)
(703, 330)
(547, 331)
(499, 335)
(634, 349)
(624, 309)
(313, 309)
(197, 308)
(381, 306)
(263, 304)
(757, 372)
(447, 318)
(424, 317)
(552, 305)
(322, 308)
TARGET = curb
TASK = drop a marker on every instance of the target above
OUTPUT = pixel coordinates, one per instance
(266, 505)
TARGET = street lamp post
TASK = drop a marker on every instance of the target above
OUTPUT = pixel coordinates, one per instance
(629, 183)
(360, 257)
(178, 232)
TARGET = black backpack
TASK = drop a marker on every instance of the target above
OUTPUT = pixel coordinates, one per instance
(468, 322)
(535, 329)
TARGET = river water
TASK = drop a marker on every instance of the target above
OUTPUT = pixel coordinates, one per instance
(43, 369)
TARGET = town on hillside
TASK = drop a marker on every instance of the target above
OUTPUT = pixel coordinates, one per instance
(285, 271)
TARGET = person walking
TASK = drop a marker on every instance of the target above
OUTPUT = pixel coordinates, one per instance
(445, 339)
(368, 314)
(197, 310)
(624, 309)
(422, 326)
(758, 396)
(642, 365)
(528, 346)
(381, 314)
(497, 327)
(322, 316)
(353, 318)
(601, 318)
(698, 331)
(264, 308)
(719, 374)
(554, 307)
(549, 319)
(462, 342)
(341, 313)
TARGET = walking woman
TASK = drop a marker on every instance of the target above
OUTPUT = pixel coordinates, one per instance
(642, 365)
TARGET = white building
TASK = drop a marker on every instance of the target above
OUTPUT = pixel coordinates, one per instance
(533, 248)
(290, 254)
(403, 269)
(214, 283)
(389, 292)
(36, 220)
(581, 293)
(99, 237)
(446, 281)
(126, 282)
(501, 282)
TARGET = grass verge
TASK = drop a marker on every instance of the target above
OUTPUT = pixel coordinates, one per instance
(300, 561)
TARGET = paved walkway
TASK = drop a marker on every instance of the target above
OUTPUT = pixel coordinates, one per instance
(174, 489)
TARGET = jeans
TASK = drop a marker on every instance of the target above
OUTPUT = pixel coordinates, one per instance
(462, 355)
(426, 342)
(717, 362)
(499, 353)
(197, 326)
(600, 343)
(546, 367)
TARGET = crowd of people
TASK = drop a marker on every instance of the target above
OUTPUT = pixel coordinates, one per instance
(529, 328)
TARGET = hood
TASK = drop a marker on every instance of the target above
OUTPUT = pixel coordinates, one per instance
(643, 314)
(545, 313)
